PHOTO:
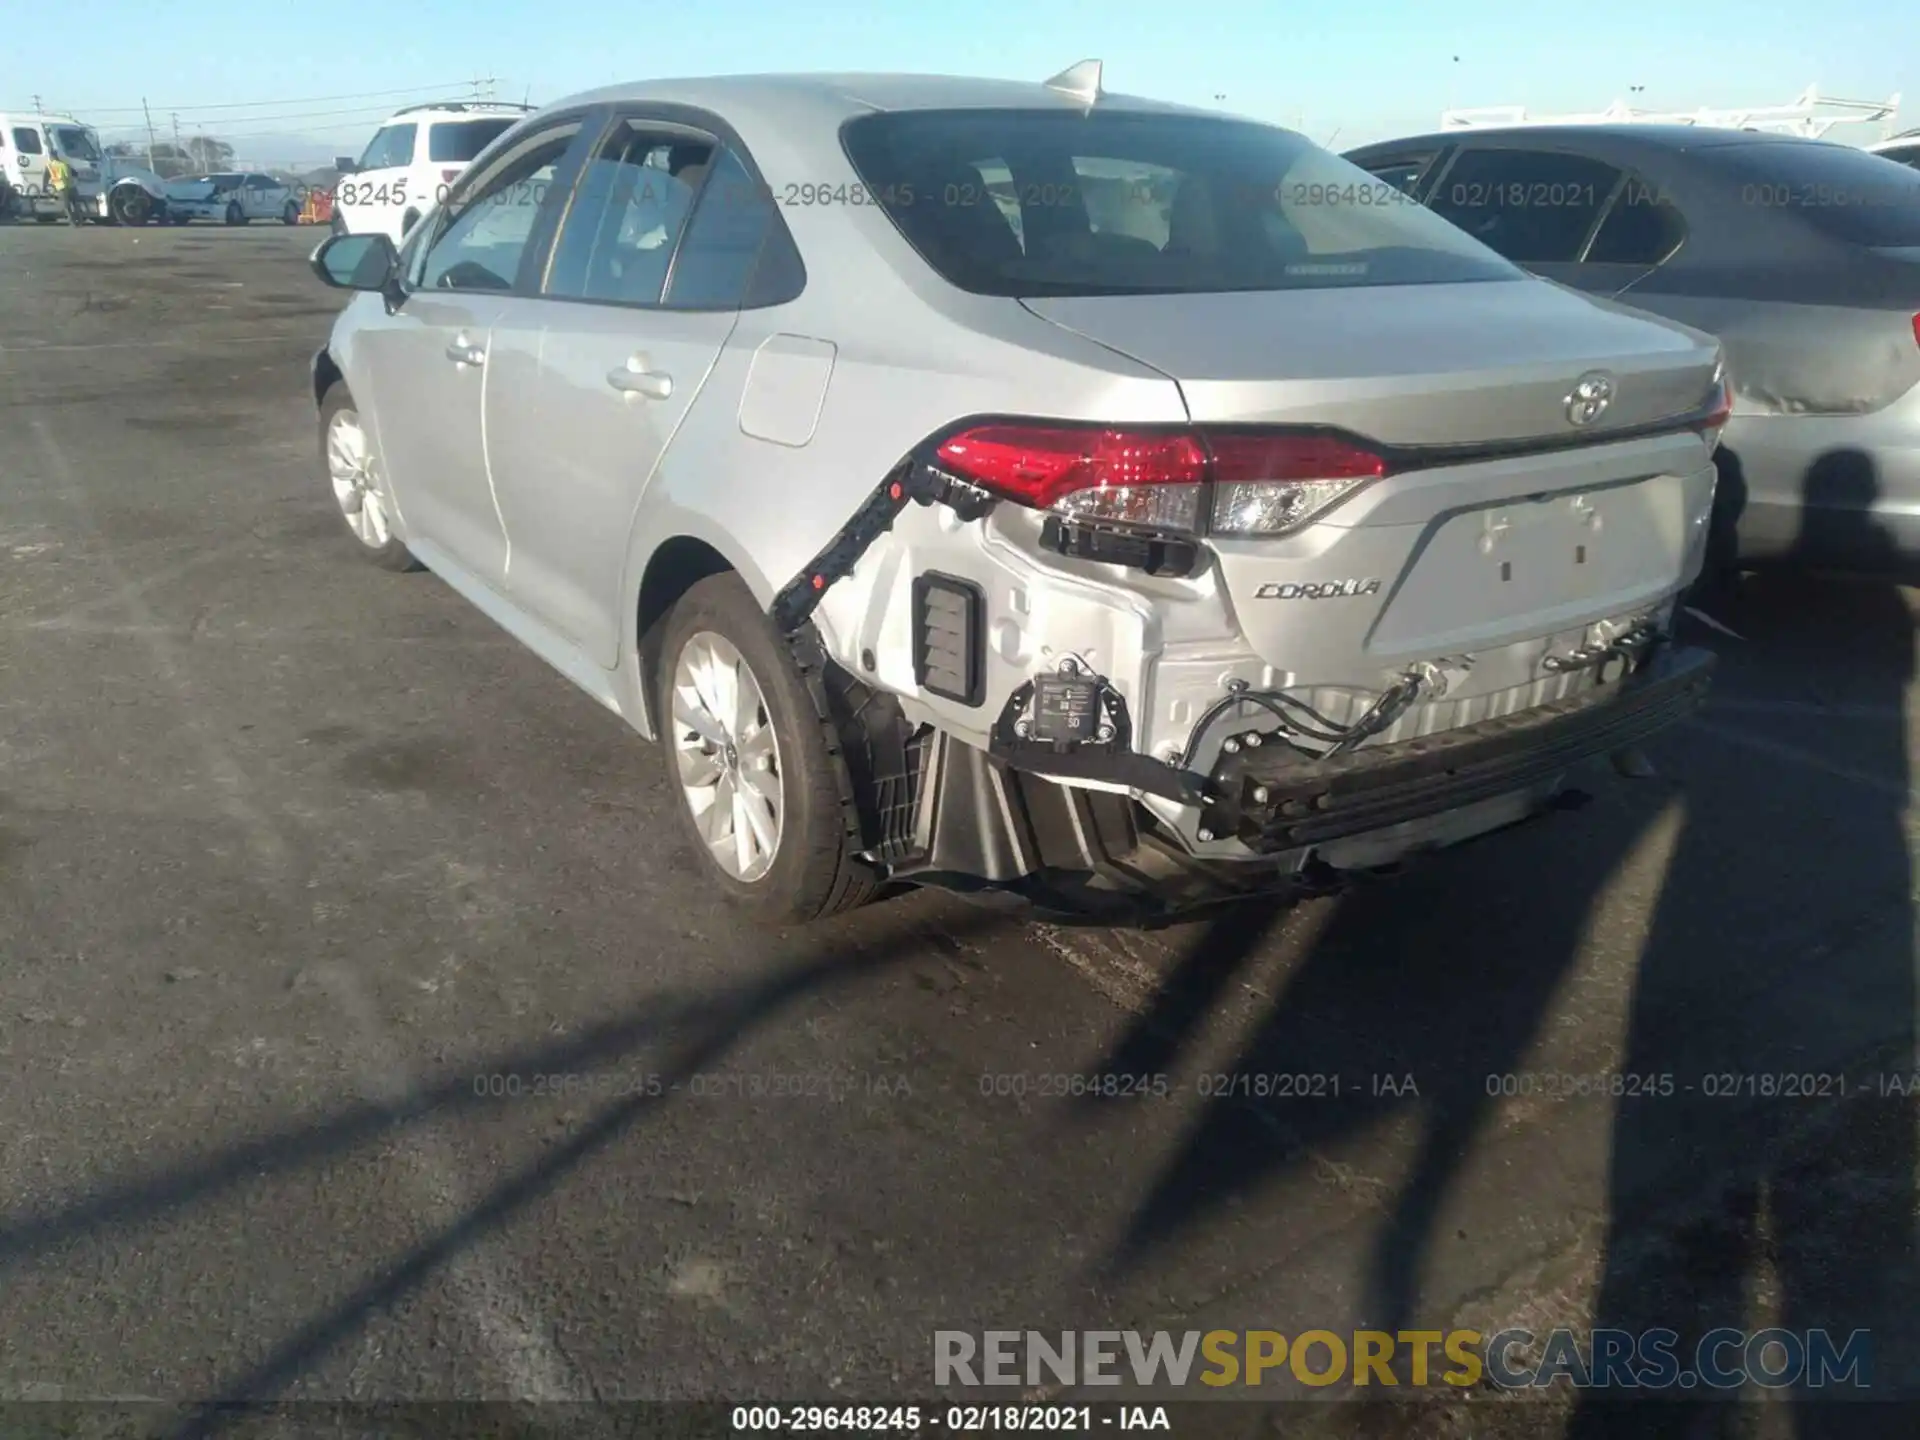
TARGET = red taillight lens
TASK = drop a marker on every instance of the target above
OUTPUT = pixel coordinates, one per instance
(1145, 478)
(449, 175)
(1265, 481)
(1254, 458)
(1041, 467)
(1916, 329)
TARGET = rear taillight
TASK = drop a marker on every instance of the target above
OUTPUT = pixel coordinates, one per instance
(1719, 406)
(1916, 329)
(449, 175)
(1270, 483)
(1260, 482)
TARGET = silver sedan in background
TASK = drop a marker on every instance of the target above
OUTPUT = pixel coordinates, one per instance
(1021, 487)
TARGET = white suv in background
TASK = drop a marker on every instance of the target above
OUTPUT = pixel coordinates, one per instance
(412, 160)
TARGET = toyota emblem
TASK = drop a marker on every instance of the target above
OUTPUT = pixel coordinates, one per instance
(1591, 395)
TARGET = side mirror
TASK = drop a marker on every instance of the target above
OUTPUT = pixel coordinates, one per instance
(344, 164)
(357, 262)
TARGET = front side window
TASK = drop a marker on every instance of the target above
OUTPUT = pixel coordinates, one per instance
(1535, 207)
(1902, 154)
(481, 242)
(392, 146)
(455, 142)
(1046, 202)
(628, 209)
(75, 143)
(1402, 174)
(27, 140)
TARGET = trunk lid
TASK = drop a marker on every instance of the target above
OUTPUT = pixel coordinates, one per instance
(1403, 364)
(1449, 555)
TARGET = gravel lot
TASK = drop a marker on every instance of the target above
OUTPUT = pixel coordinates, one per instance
(308, 875)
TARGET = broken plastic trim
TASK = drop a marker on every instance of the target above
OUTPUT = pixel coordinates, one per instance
(912, 481)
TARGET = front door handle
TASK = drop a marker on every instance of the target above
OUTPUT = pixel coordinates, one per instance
(633, 378)
(461, 353)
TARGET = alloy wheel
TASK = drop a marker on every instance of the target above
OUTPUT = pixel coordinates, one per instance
(728, 756)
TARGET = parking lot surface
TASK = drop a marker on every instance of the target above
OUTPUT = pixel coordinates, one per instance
(367, 1035)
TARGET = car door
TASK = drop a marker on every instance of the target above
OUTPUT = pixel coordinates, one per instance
(643, 287)
(429, 360)
(1536, 207)
(263, 198)
(31, 177)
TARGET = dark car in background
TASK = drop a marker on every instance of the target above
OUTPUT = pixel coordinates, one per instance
(1803, 256)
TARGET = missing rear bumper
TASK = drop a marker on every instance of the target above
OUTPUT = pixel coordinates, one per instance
(1273, 803)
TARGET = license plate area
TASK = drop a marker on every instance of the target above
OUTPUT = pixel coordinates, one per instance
(1537, 563)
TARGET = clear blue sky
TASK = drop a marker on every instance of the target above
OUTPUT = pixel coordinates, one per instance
(1367, 69)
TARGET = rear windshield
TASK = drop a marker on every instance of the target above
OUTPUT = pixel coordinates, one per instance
(1051, 202)
(1847, 194)
(393, 145)
(458, 141)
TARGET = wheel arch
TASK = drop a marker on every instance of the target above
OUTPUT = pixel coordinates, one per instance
(326, 374)
(674, 567)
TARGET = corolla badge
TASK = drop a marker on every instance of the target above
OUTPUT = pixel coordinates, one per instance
(1591, 395)
(1321, 590)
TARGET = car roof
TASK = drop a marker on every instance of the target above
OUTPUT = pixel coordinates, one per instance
(792, 97)
(1615, 138)
(460, 110)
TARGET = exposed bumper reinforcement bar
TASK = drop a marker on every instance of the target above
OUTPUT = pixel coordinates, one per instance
(1272, 805)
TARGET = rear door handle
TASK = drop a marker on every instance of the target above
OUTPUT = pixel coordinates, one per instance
(633, 378)
(461, 353)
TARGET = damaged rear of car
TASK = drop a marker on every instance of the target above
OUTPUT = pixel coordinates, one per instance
(1019, 488)
(1408, 553)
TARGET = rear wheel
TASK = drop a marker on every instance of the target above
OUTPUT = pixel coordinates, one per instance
(359, 485)
(235, 215)
(762, 789)
(290, 215)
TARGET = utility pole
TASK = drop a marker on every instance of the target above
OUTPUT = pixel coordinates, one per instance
(38, 108)
(149, 114)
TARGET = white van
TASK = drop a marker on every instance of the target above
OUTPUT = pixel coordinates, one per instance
(412, 160)
(112, 189)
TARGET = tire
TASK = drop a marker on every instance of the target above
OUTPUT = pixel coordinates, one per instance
(375, 536)
(290, 215)
(130, 205)
(812, 870)
(235, 215)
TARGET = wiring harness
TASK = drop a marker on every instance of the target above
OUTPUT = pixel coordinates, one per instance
(1300, 721)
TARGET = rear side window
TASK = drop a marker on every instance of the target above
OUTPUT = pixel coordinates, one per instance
(628, 209)
(1533, 206)
(1902, 154)
(26, 140)
(455, 142)
(1055, 202)
(1848, 195)
(733, 222)
(1641, 228)
(393, 145)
